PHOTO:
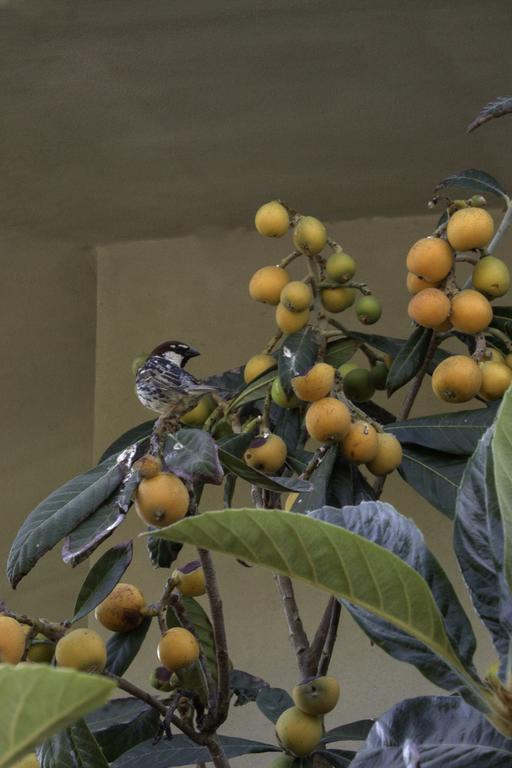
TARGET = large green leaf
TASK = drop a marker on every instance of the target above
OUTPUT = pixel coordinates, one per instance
(76, 746)
(381, 523)
(162, 554)
(272, 702)
(193, 453)
(474, 181)
(87, 537)
(502, 319)
(341, 351)
(198, 617)
(320, 480)
(502, 456)
(102, 578)
(392, 346)
(38, 700)
(245, 687)
(478, 545)
(435, 475)
(297, 354)
(332, 559)
(123, 647)
(409, 359)
(256, 390)
(457, 432)
(182, 751)
(120, 737)
(55, 517)
(229, 383)
(357, 731)
(134, 435)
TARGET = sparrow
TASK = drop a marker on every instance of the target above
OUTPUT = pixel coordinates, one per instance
(162, 384)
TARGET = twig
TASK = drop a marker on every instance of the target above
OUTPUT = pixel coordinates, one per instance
(480, 345)
(50, 629)
(332, 634)
(218, 716)
(298, 636)
(504, 224)
(216, 750)
(288, 259)
(318, 642)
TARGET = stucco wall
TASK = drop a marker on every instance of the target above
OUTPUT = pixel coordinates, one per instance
(195, 289)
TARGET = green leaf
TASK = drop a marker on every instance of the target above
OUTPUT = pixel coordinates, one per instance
(502, 319)
(341, 351)
(127, 439)
(435, 475)
(320, 480)
(245, 686)
(162, 554)
(478, 545)
(333, 559)
(297, 354)
(122, 647)
(392, 346)
(102, 578)
(193, 453)
(255, 477)
(256, 390)
(409, 360)
(87, 537)
(473, 180)
(119, 738)
(273, 702)
(498, 107)
(229, 383)
(46, 701)
(116, 712)
(502, 457)
(202, 625)
(55, 517)
(182, 751)
(457, 432)
(74, 746)
(357, 731)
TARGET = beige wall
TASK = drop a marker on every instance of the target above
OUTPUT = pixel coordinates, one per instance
(195, 289)
(47, 344)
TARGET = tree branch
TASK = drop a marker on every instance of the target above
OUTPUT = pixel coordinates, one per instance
(330, 642)
(298, 636)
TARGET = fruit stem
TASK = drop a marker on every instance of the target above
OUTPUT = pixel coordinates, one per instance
(362, 287)
(330, 641)
(288, 259)
(480, 345)
(272, 342)
(50, 629)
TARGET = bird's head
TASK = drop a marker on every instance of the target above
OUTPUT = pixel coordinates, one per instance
(176, 352)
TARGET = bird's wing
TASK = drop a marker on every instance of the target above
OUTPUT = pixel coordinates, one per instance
(165, 375)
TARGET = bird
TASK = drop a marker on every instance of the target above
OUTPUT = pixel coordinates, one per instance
(162, 384)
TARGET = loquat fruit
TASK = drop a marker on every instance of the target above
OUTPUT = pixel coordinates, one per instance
(470, 311)
(358, 385)
(267, 283)
(491, 276)
(290, 501)
(429, 308)
(197, 416)
(317, 382)
(82, 649)
(317, 696)
(161, 500)
(272, 219)
(178, 648)
(379, 375)
(360, 445)
(291, 322)
(122, 610)
(457, 379)
(470, 228)
(388, 457)
(280, 397)
(337, 299)
(190, 579)
(309, 235)
(148, 466)
(340, 267)
(430, 258)
(296, 296)
(416, 284)
(327, 419)
(257, 365)
(298, 732)
(368, 309)
(493, 355)
(12, 640)
(266, 453)
(41, 650)
(496, 379)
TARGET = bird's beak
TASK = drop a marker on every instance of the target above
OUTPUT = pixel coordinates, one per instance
(191, 352)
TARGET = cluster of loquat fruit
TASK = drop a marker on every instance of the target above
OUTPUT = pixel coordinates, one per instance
(438, 303)
(328, 393)
(300, 728)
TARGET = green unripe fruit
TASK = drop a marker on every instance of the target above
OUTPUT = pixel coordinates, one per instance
(337, 299)
(358, 386)
(198, 415)
(346, 368)
(317, 696)
(138, 362)
(41, 650)
(283, 761)
(368, 309)
(296, 296)
(310, 235)
(491, 276)
(279, 395)
(340, 267)
(298, 732)
(379, 375)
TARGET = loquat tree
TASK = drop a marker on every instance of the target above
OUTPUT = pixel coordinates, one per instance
(298, 423)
